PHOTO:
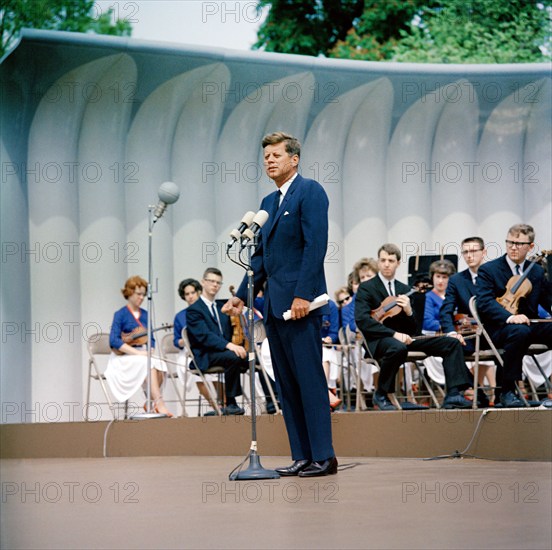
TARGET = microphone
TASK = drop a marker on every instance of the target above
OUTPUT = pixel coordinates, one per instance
(251, 232)
(168, 193)
(244, 224)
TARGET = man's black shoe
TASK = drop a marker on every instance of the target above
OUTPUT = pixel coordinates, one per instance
(323, 468)
(382, 402)
(510, 400)
(232, 409)
(295, 468)
(456, 401)
(270, 407)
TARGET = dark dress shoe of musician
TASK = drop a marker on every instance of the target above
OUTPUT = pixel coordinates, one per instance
(270, 407)
(510, 400)
(456, 401)
(382, 402)
(295, 468)
(232, 409)
(324, 468)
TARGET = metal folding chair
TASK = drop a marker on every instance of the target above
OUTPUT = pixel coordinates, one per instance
(98, 346)
(194, 370)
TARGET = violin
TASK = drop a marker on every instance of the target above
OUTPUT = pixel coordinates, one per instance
(519, 286)
(238, 334)
(139, 336)
(389, 306)
(464, 324)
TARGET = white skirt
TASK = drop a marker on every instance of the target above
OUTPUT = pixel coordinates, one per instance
(125, 374)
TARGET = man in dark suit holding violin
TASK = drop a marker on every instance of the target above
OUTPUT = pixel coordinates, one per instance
(390, 338)
(509, 310)
(290, 260)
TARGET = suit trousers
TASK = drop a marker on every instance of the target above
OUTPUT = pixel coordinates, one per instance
(514, 340)
(296, 352)
(233, 367)
(391, 354)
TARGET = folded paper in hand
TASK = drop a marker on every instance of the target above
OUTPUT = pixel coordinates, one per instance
(320, 301)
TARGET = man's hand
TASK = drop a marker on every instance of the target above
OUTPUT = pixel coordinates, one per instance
(404, 302)
(238, 350)
(519, 319)
(404, 338)
(458, 336)
(299, 308)
(234, 306)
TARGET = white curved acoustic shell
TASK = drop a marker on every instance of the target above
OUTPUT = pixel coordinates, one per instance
(419, 155)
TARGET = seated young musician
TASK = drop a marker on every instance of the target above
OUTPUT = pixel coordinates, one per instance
(126, 369)
(390, 339)
(455, 316)
(210, 334)
(510, 318)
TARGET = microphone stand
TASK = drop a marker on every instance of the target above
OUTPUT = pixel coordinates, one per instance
(255, 470)
(149, 412)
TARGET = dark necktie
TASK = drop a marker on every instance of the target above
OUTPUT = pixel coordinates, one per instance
(390, 288)
(517, 269)
(276, 204)
(215, 316)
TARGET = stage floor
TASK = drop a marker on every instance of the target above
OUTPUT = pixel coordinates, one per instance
(188, 502)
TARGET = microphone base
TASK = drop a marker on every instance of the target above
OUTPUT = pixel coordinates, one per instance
(254, 471)
(147, 416)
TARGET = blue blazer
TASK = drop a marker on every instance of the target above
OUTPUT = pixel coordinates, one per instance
(492, 278)
(289, 259)
(203, 332)
(460, 289)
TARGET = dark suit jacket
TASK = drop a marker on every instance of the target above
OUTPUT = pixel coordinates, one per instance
(203, 331)
(369, 297)
(457, 299)
(492, 279)
(290, 259)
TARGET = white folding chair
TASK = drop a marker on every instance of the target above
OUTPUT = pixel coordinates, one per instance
(169, 354)
(98, 346)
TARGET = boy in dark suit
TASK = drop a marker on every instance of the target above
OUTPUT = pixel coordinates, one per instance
(390, 340)
(210, 334)
(290, 260)
(511, 329)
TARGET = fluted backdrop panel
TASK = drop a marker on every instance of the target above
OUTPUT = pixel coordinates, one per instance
(419, 155)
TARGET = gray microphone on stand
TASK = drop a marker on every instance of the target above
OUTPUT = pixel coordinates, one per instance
(168, 194)
(236, 234)
(253, 230)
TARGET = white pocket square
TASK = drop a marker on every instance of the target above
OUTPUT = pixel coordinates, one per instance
(286, 213)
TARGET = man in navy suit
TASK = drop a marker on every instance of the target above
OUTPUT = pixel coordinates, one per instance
(290, 259)
(460, 289)
(390, 338)
(510, 329)
(210, 334)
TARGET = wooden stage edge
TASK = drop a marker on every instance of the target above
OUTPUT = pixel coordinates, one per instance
(510, 434)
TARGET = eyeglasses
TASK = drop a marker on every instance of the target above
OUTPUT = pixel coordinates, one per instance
(343, 300)
(511, 244)
(213, 281)
(468, 252)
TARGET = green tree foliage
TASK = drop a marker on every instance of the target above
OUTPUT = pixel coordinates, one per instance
(61, 15)
(375, 35)
(486, 31)
(307, 27)
(423, 31)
